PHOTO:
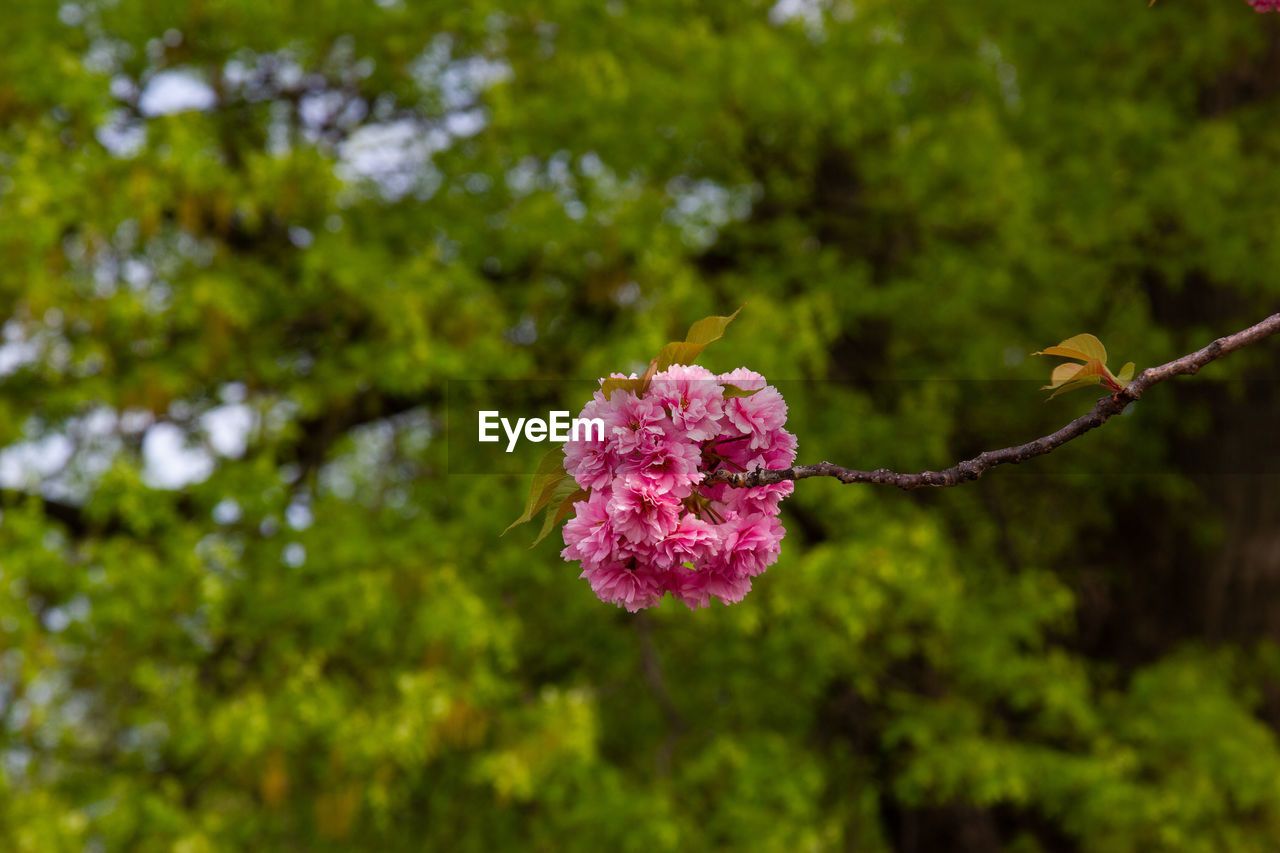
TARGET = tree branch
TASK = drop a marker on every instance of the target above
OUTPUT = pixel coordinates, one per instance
(972, 469)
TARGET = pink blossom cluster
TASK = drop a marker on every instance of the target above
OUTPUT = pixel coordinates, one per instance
(1264, 5)
(648, 525)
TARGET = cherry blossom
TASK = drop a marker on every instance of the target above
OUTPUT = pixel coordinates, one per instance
(649, 526)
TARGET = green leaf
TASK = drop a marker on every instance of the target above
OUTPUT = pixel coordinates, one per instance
(549, 473)
(701, 333)
(731, 391)
(565, 495)
(709, 329)
(679, 352)
(1126, 373)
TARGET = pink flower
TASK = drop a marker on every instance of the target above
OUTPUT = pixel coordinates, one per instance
(641, 512)
(1264, 5)
(780, 450)
(648, 527)
(636, 427)
(693, 397)
(760, 414)
(689, 586)
(589, 536)
(696, 588)
(751, 544)
(759, 500)
(747, 380)
(730, 590)
(693, 541)
(587, 458)
(672, 467)
(632, 588)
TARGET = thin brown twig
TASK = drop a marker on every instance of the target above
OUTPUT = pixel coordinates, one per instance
(972, 469)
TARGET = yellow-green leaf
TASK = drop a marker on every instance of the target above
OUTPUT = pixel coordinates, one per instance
(1067, 372)
(701, 333)
(1093, 367)
(679, 352)
(1082, 347)
(1077, 376)
(1064, 352)
(635, 386)
(1063, 374)
(1125, 374)
(709, 329)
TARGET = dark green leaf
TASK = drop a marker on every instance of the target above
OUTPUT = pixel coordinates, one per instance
(563, 498)
(549, 473)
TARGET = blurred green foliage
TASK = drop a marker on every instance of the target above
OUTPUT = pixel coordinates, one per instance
(322, 643)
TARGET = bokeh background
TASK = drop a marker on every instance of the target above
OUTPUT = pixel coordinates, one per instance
(245, 247)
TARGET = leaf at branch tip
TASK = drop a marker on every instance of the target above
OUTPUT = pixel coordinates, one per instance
(704, 332)
(710, 329)
(1088, 349)
(1081, 347)
(565, 495)
(731, 391)
(549, 473)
